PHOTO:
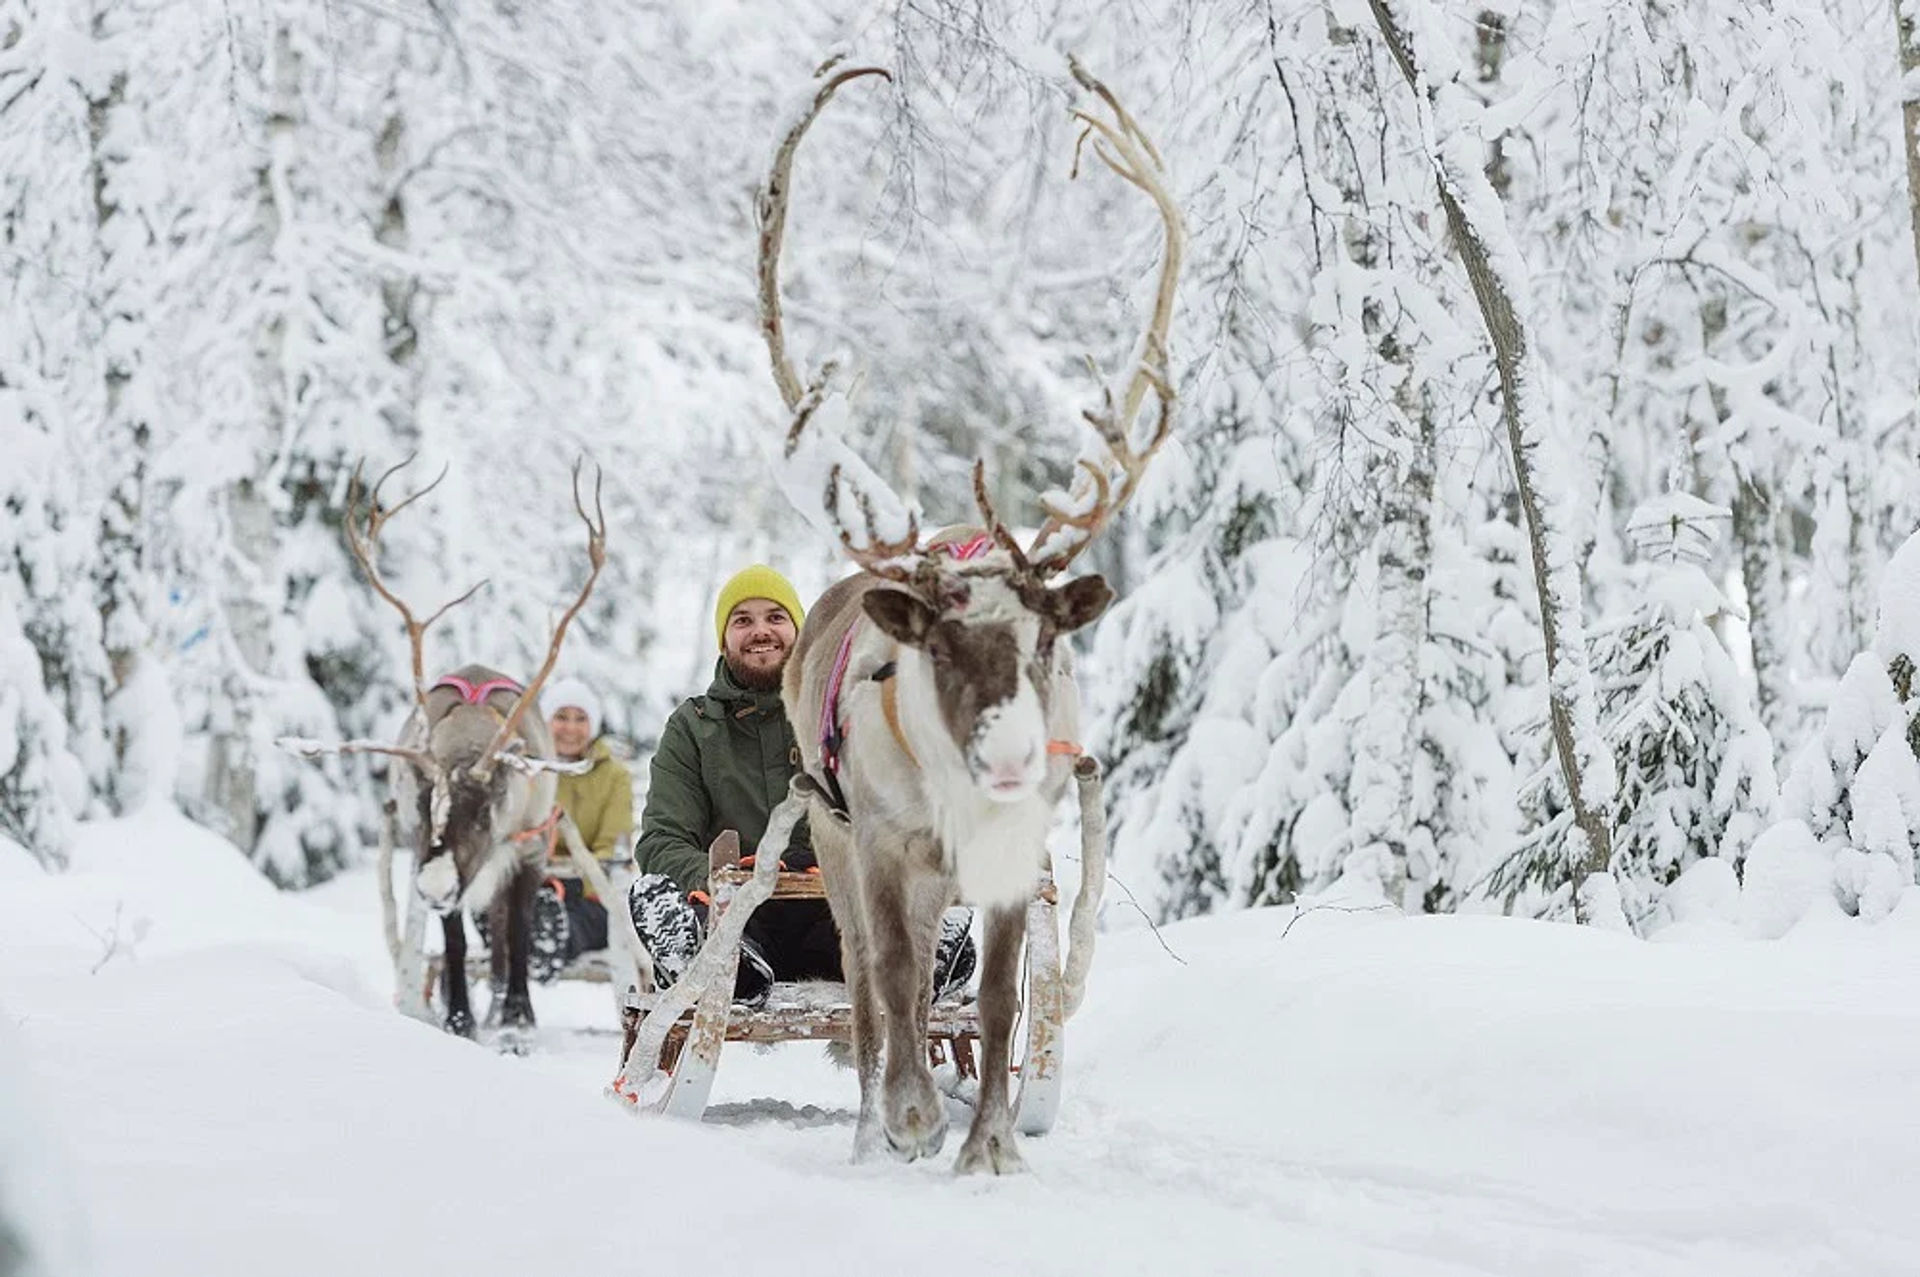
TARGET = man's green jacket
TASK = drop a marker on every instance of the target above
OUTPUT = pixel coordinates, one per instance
(723, 763)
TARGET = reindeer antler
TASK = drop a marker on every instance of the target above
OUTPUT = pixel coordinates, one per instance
(365, 546)
(1096, 495)
(529, 695)
(875, 552)
(314, 750)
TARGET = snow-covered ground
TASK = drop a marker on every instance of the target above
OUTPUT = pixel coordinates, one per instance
(203, 1076)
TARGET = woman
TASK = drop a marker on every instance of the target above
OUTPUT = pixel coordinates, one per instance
(569, 918)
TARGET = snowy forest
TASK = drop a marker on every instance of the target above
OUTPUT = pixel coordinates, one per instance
(1507, 713)
(1546, 433)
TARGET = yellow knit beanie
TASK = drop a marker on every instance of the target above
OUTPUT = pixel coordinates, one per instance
(756, 582)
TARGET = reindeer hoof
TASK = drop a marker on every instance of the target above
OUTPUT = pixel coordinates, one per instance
(918, 1130)
(990, 1155)
(459, 1023)
(868, 1140)
(517, 1015)
(514, 1040)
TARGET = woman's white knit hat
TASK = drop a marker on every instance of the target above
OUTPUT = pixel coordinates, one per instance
(572, 693)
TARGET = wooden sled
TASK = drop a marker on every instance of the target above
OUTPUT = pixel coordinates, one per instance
(689, 1039)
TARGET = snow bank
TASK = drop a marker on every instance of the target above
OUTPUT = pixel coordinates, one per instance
(1349, 1091)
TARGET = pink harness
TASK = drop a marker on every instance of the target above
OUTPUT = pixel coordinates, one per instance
(476, 694)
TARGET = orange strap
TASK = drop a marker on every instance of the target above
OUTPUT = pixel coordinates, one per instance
(700, 897)
(890, 706)
(1070, 748)
(546, 829)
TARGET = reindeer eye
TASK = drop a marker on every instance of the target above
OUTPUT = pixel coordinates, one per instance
(937, 651)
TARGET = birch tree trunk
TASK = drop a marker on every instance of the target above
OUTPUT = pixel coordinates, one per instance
(232, 788)
(118, 308)
(1486, 250)
(1906, 13)
(399, 290)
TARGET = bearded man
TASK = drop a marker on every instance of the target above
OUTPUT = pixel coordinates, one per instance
(723, 764)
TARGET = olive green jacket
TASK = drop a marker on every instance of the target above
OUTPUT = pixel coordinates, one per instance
(600, 801)
(724, 762)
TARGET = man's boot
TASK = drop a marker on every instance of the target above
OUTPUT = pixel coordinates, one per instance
(954, 957)
(668, 926)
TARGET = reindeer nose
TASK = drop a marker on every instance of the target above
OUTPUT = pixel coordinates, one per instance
(1006, 775)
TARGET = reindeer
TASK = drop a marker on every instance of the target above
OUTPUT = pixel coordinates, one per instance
(479, 781)
(947, 708)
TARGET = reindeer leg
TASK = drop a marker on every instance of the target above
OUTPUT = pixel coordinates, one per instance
(453, 974)
(866, 1042)
(914, 1116)
(990, 1145)
(833, 846)
(516, 1013)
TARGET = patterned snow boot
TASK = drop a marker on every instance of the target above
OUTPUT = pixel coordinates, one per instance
(668, 926)
(954, 956)
(547, 950)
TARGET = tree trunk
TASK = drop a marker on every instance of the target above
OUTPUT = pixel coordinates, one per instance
(232, 788)
(119, 569)
(1585, 763)
(1906, 13)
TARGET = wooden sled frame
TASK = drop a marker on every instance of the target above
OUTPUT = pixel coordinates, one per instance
(691, 1038)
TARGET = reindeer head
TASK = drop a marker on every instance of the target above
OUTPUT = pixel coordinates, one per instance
(984, 633)
(468, 808)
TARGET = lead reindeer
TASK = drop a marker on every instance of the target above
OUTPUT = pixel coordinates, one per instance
(478, 787)
(946, 705)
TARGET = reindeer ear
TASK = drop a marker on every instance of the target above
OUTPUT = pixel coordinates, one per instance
(901, 616)
(1079, 602)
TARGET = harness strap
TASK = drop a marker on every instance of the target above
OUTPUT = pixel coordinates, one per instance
(890, 706)
(546, 829)
(477, 693)
(976, 548)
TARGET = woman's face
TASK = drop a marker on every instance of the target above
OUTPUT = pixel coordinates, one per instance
(572, 731)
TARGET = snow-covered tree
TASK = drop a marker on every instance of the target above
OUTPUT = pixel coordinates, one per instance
(1695, 763)
(1855, 788)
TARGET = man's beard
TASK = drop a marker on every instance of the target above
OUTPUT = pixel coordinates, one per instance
(759, 680)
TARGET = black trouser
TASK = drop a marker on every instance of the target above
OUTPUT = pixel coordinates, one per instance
(586, 920)
(798, 939)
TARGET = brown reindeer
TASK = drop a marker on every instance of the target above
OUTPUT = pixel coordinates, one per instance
(946, 707)
(478, 788)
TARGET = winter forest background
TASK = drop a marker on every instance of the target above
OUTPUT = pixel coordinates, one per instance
(244, 245)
